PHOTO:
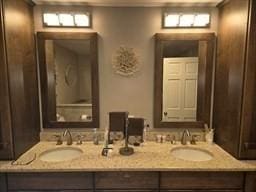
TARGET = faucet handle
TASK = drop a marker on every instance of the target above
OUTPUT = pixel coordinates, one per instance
(173, 140)
(59, 139)
(194, 139)
(80, 139)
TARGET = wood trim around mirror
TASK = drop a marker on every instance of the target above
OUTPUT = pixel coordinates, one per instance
(206, 47)
(48, 103)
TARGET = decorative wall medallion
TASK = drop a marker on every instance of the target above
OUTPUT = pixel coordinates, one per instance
(70, 75)
(125, 61)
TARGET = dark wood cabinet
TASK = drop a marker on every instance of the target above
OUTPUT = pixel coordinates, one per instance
(235, 81)
(50, 181)
(129, 190)
(19, 105)
(126, 180)
(3, 183)
(119, 181)
(205, 190)
(51, 191)
(250, 184)
(205, 181)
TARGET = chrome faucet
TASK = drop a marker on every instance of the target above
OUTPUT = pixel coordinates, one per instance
(185, 134)
(69, 139)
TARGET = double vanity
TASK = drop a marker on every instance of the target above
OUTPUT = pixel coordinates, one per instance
(153, 167)
(196, 77)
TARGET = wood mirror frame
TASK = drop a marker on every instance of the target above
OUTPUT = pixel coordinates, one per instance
(205, 69)
(48, 94)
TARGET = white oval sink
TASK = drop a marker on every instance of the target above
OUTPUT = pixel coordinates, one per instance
(191, 154)
(60, 154)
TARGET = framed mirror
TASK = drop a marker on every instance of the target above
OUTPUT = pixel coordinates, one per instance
(68, 67)
(183, 79)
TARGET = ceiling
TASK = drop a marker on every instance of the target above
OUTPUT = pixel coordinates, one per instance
(133, 3)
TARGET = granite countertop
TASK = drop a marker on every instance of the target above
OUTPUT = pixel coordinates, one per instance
(149, 157)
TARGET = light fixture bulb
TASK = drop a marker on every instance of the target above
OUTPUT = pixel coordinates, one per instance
(202, 20)
(66, 19)
(186, 20)
(51, 19)
(82, 20)
(171, 20)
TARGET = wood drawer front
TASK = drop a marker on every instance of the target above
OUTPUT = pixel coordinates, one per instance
(126, 180)
(76, 190)
(201, 180)
(204, 190)
(131, 190)
(50, 181)
(3, 187)
(250, 184)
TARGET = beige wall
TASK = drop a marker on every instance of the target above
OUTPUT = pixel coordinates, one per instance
(134, 27)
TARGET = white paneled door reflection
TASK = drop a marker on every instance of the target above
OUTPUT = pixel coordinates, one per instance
(180, 89)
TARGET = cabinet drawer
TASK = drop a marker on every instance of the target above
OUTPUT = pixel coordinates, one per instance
(250, 183)
(131, 190)
(201, 180)
(204, 190)
(126, 180)
(50, 181)
(52, 191)
(3, 187)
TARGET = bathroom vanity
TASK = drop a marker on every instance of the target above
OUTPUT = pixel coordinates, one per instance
(129, 181)
(148, 169)
(71, 89)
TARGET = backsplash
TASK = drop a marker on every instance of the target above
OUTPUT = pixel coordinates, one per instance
(49, 135)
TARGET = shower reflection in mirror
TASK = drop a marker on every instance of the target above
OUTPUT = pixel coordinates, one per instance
(72, 78)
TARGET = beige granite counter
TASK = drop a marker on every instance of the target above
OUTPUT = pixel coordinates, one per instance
(150, 157)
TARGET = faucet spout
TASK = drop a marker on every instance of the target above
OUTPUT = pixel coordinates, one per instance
(69, 139)
(185, 134)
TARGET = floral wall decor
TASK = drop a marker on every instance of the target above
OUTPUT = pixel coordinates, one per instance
(125, 61)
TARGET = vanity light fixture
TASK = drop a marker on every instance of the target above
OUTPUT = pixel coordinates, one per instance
(67, 20)
(186, 20)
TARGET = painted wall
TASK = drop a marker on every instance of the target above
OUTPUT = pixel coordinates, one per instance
(134, 27)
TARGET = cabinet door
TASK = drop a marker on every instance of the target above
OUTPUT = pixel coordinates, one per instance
(130, 190)
(250, 184)
(50, 181)
(248, 123)
(5, 121)
(202, 180)
(204, 190)
(126, 180)
(230, 74)
(3, 185)
(52, 191)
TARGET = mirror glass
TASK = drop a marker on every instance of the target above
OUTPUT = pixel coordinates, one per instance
(72, 77)
(180, 80)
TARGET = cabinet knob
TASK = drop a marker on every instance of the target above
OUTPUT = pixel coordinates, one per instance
(250, 146)
(127, 176)
(4, 145)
